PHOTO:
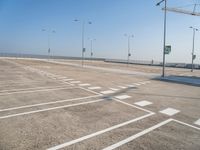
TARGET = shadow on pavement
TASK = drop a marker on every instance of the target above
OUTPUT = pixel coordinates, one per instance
(110, 96)
(188, 80)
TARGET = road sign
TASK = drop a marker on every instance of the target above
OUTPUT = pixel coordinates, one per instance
(194, 57)
(168, 49)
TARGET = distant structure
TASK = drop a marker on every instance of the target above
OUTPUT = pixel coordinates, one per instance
(184, 11)
(188, 12)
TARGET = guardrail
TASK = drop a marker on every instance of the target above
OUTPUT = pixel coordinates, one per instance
(137, 62)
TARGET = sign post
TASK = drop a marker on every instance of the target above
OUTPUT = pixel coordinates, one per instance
(167, 49)
(194, 57)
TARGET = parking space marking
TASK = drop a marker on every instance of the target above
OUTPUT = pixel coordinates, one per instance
(122, 87)
(107, 92)
(73, 82)
(19, 83)
(131, 138)
(94, 88)
(48, 103)
(130, 85)
(34, 88)
(121, 97)
(90, 91)
(186, 124)
(84, 84)
(142, 83)
(137, 84)
(98, 133)
(51, 108)
(197, 122)
(68, 79)
(62, 77)
(39, 90)
(125, 103)
(147, 82)
(143, 103)
(170, 111)
(114, 89)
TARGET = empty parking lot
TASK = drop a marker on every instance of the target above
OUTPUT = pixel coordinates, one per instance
(59, 104)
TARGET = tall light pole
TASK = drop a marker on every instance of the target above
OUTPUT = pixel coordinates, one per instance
(83, 38)
(164, 41)
(49, 31)
(193, 56)
(91, 47)
(129, 54)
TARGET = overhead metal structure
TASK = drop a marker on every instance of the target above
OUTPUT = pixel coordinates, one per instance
(192, 12)
(184, 11)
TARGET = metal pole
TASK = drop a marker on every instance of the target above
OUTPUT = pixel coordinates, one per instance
(128, 49)
(164, 42)
(91, 50)
(48, 45)
(193, 50)
(83, 32)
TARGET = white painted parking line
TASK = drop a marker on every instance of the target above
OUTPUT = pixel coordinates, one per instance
(48, 103)
(121, 97)
(186, 124)
(107, 92)
(62, 77)
(73, 82)
(84, 84)
(131, 138)
(142, 83)
(114, 89)
(90, 91)
(147, 82)
(130, 85)
(68, 79)
(137, 84)
(52, 108)
(98, 133)
(122, 87)
(34, 88)
(197, 122)
(125, 103)
(94, 88)
(143, 103)
(170, 111)
(39, 90)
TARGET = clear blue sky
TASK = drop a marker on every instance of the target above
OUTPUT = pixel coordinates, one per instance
(21, 22)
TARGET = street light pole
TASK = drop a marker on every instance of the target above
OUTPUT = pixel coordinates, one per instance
(164, 43)
(83, 34)
(49, 46)
(128, 50)
(83, 39)
(194, 29)
(164, 39)
(48, 42)
(129, 54)
(91, 47)
(91, 44)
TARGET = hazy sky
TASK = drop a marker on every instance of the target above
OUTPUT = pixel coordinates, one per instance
(21, 22)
